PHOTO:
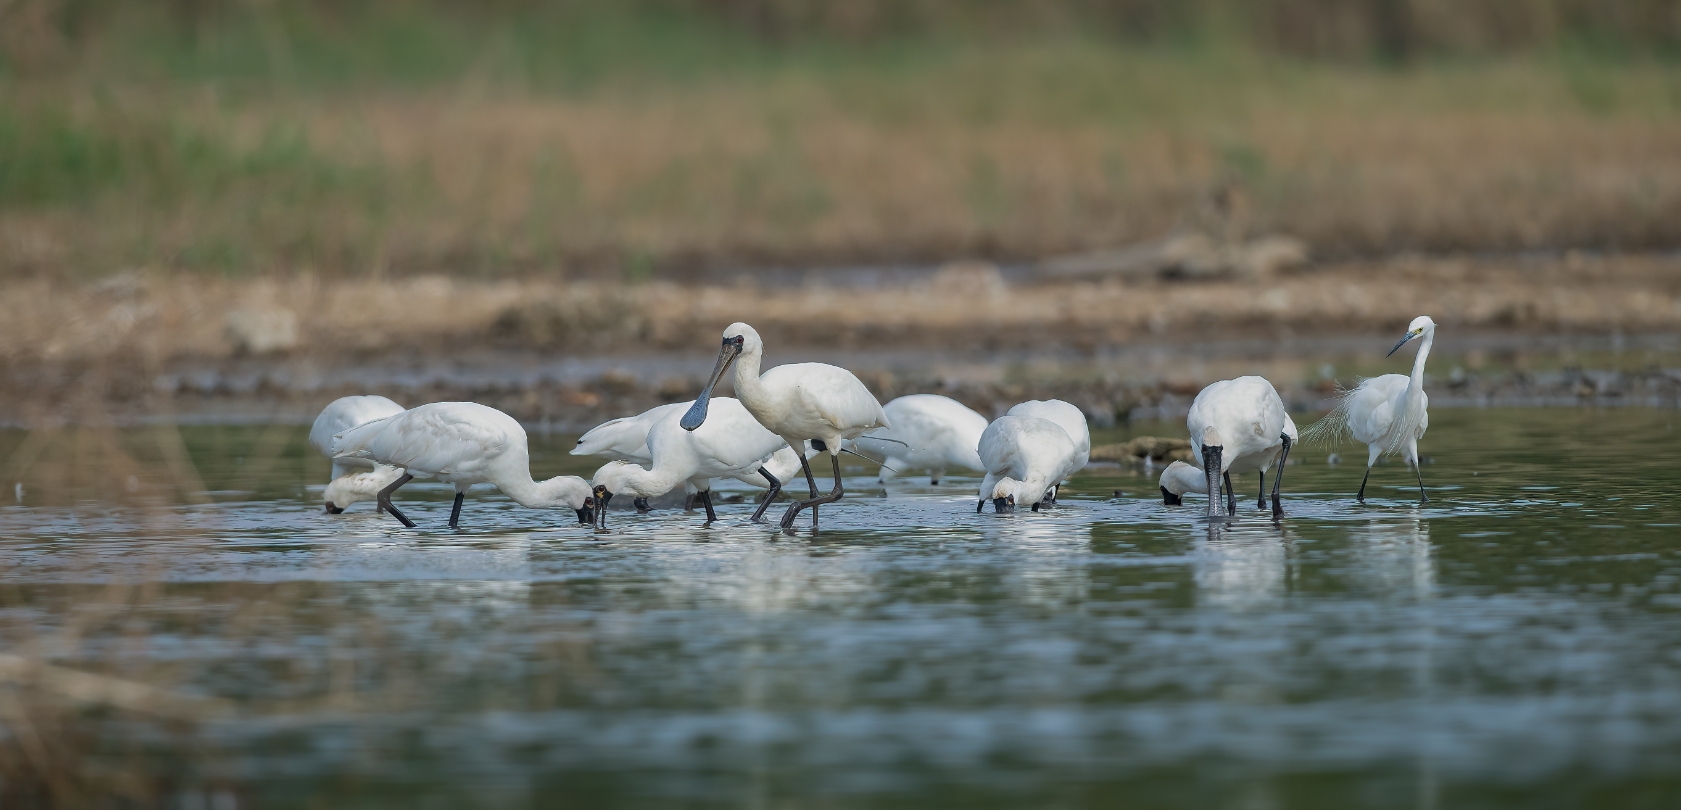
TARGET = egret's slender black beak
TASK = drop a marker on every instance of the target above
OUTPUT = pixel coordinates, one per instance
(696, 416)
(602, 498)
(1409, 336)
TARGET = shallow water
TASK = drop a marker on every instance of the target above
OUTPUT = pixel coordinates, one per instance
(1516, 642)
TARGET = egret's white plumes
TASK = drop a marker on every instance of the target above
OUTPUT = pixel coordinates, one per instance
(1024, 457)
(800, 402)
(1249, 419)
(1388, 414)
(731, 443)
(930, 432)
(462, 443)
(1179, 479)
(354, 479)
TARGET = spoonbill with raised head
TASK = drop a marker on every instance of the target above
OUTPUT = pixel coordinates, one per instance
(731, 443)
(930, 432)
(1024, 456)
(460, 443)
(354, 479)
(1237, 426)
(800, 402)
(1389, 414)
(1072, 420)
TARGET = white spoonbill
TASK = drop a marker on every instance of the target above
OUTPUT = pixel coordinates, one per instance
(1180, 478)
(461, 443)
(1072, 420)
(1024, 456)
(800, 402)
(1237, 426)
(731, 443)
(929, 432)
(354, 479)
(626, 439)
(1388, 414)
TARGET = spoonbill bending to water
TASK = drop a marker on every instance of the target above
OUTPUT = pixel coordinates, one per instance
(1071, 420)
(800, 402)
(1388, 413)
(1237, 426)
(461, 443)
(1024, 456)
(731, 443)
(626, 439)
(354, 479)
(929, 432)
(1180, 478)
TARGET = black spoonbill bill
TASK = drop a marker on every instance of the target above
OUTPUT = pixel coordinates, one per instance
(800, 402)
(929, 432)
(460, 443)
(354, 479)
(1389, 414)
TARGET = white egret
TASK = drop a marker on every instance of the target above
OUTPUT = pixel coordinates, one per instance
(731, 443)
(1237, 426)
(930, 432)
(800, 402)
(1024, 456)
(461, 443)
(354, 479)
(1389, 414)
(1071, 419)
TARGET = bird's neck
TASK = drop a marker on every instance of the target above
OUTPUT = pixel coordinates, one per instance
(544, 494)
(1416, 384)
(641, 483)
(747, 387)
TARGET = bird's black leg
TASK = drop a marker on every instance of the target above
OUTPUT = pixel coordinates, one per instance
(1278, 478)
(834, 494)
(1361, 495)
(770, 497)
(1419, 471)
(706, 501)
(810, 480)
(455, 511)
(1231, 497)
(1261, 499)
(386, 504)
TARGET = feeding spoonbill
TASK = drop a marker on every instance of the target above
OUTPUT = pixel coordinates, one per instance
(354, 479)
(929, 432)
(1024, 456)
(626, 439)
(800, 402)
(1180, 478)
(1071, 419)
(1237, 426)
(731, 443)
(461, 443)
(1388, 414)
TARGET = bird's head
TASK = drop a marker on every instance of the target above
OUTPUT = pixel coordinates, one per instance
(1421, 326)
(739, 339)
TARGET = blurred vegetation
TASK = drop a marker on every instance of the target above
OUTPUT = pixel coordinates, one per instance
(246, 136)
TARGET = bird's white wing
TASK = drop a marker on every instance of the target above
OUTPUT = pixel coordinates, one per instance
(345, 413)
(441, 438)
(836, 395)
(625, 439)
(731, 437)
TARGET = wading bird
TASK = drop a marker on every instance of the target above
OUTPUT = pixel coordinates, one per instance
(1024, 456)
(800, 402)
(731, 443)
(1179, 479)
(354, 479)
(1071, 420)
(1388, 414)
(460, 443)
(1238, 426)
(929, 432)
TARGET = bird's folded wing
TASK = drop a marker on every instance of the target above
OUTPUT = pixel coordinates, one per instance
(434, 441)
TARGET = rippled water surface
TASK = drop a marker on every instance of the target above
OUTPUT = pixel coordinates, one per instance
(1516, 642)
